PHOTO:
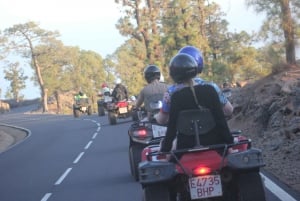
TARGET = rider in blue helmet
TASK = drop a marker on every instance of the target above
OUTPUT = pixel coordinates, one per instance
(196, 54)
(163, 116)
(183, 68)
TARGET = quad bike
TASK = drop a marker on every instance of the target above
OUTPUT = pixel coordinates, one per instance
(143, 133)
(227, 172)
(102, 103)
(120, 109)
(82, 106)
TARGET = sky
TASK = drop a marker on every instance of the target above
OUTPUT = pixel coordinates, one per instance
(90, 24)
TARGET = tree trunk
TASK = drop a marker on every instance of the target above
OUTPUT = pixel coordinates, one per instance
(45, 99)
(40, 80)
(289, 34)
(58, 102)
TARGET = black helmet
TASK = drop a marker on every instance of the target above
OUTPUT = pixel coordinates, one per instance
(151, 73)
(182, 67)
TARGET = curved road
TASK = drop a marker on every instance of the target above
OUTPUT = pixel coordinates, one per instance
(82, 159)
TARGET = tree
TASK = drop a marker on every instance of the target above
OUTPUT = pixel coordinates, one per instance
(52, 58)
(280, 22)
(15, 75)
(128, 67)
(142, 23)
(23, 38)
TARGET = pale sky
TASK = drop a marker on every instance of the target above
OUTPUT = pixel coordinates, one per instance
(90, 24)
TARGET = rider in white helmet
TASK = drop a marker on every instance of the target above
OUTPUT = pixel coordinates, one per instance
(120, 92)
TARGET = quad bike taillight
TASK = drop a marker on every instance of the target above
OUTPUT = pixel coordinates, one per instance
(122, 104)
(141, 136)
(201, 170)
(140, 133)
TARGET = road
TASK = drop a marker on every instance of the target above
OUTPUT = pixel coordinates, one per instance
(67, 158)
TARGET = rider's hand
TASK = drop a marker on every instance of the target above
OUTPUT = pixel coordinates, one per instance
(155, 116)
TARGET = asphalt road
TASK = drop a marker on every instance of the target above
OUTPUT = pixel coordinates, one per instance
(71, 159)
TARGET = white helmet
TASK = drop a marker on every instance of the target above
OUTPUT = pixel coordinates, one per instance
(118, 81)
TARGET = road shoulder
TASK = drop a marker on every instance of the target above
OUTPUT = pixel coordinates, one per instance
(10, 136)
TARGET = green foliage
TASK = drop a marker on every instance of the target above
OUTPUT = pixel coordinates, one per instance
(281, 23)
(227, 55)
(15, 75)
(156, 30)
(129, 67)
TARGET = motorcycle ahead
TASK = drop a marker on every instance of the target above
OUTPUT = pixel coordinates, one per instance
(142, 133)
(223, 172)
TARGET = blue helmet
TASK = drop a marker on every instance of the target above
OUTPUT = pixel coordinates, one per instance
(196, 54)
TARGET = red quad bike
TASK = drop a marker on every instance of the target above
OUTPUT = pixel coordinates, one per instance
(142, 134)
(121, 109)
(221, 172)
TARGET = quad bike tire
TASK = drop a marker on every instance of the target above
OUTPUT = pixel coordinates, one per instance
(156, 192)
(250, 187)
(112, 118)
(76, 113)
(89, 110)
(101, 111)
(134, 160)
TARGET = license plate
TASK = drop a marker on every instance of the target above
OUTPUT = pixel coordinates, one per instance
(159, 131)
(83, 108)
(107, 99)
(205, 186)
(122, 110)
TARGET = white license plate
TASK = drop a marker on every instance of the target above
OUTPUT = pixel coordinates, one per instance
(159, 131)
(107, 99)
(83, 108)
(123, 110)
(205, 186)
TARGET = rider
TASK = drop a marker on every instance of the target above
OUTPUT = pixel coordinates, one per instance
(163, 115)
(183, 68)
(120, 92)
(80, 95)
(105, 90)
(153, 91)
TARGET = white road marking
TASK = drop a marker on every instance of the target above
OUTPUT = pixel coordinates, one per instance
(78, 157)
(63, 176)
(46, 197)
(276, 190)
(88, 145)
(60, 180)
(95, 135)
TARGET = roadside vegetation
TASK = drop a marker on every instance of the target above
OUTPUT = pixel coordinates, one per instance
(155, 31)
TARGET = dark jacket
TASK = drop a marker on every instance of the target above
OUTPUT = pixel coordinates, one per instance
(183, 100)
(120, 93)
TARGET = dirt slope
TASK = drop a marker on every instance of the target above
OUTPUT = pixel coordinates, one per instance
(268, 111)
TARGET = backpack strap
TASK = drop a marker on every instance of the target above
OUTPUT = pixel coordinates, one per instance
(195, 98)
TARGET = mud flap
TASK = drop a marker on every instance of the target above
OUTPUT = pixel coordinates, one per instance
(249, 159)
(156, 171)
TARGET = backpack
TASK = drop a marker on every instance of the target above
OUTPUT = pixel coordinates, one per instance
(121, 93)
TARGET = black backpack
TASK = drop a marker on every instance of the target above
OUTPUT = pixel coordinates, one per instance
(120, 93)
